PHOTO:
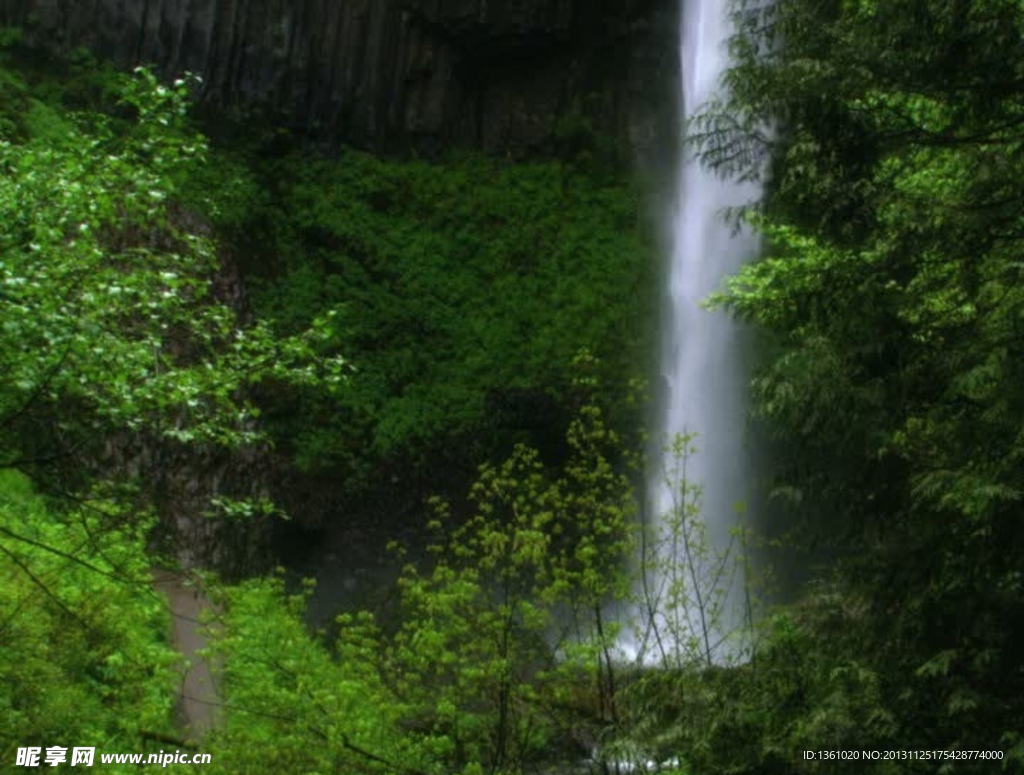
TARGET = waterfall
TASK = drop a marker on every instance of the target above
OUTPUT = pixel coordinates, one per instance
(704, 384)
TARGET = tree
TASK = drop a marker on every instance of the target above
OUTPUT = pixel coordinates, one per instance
(686, 585)
(117, 337)
(119, 327)
(510, 620)
(891, 293)
(498, 656)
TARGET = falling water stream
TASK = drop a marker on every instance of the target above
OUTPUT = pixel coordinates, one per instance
(702, 359)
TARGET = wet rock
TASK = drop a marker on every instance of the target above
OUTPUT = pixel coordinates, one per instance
(398, 75)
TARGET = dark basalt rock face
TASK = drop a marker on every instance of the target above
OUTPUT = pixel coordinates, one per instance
(399, 75)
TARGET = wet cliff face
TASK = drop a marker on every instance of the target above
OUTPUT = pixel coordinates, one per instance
(393, 75)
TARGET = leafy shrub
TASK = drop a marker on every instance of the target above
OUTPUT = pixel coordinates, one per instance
(461, 291)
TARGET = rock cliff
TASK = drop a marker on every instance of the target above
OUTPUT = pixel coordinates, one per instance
(399, 75)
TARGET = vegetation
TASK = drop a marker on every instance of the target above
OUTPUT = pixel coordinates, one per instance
(463, 295)
(890, 289)
(129, 348)
(115, 340)
(83, 655)
(462, 291)
(113, 318)
(486, 664)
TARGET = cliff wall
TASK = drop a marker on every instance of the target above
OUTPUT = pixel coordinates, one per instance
(395, 75)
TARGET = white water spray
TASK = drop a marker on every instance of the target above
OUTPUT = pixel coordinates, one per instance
(703, 368)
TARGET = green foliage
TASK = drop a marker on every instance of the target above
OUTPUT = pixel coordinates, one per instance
(807, 688)
(462, 289)
(112, 319)
(116, 330)
(513, 604)
(891, 290)
(499, 637)
(292, 705)
(83, 653)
